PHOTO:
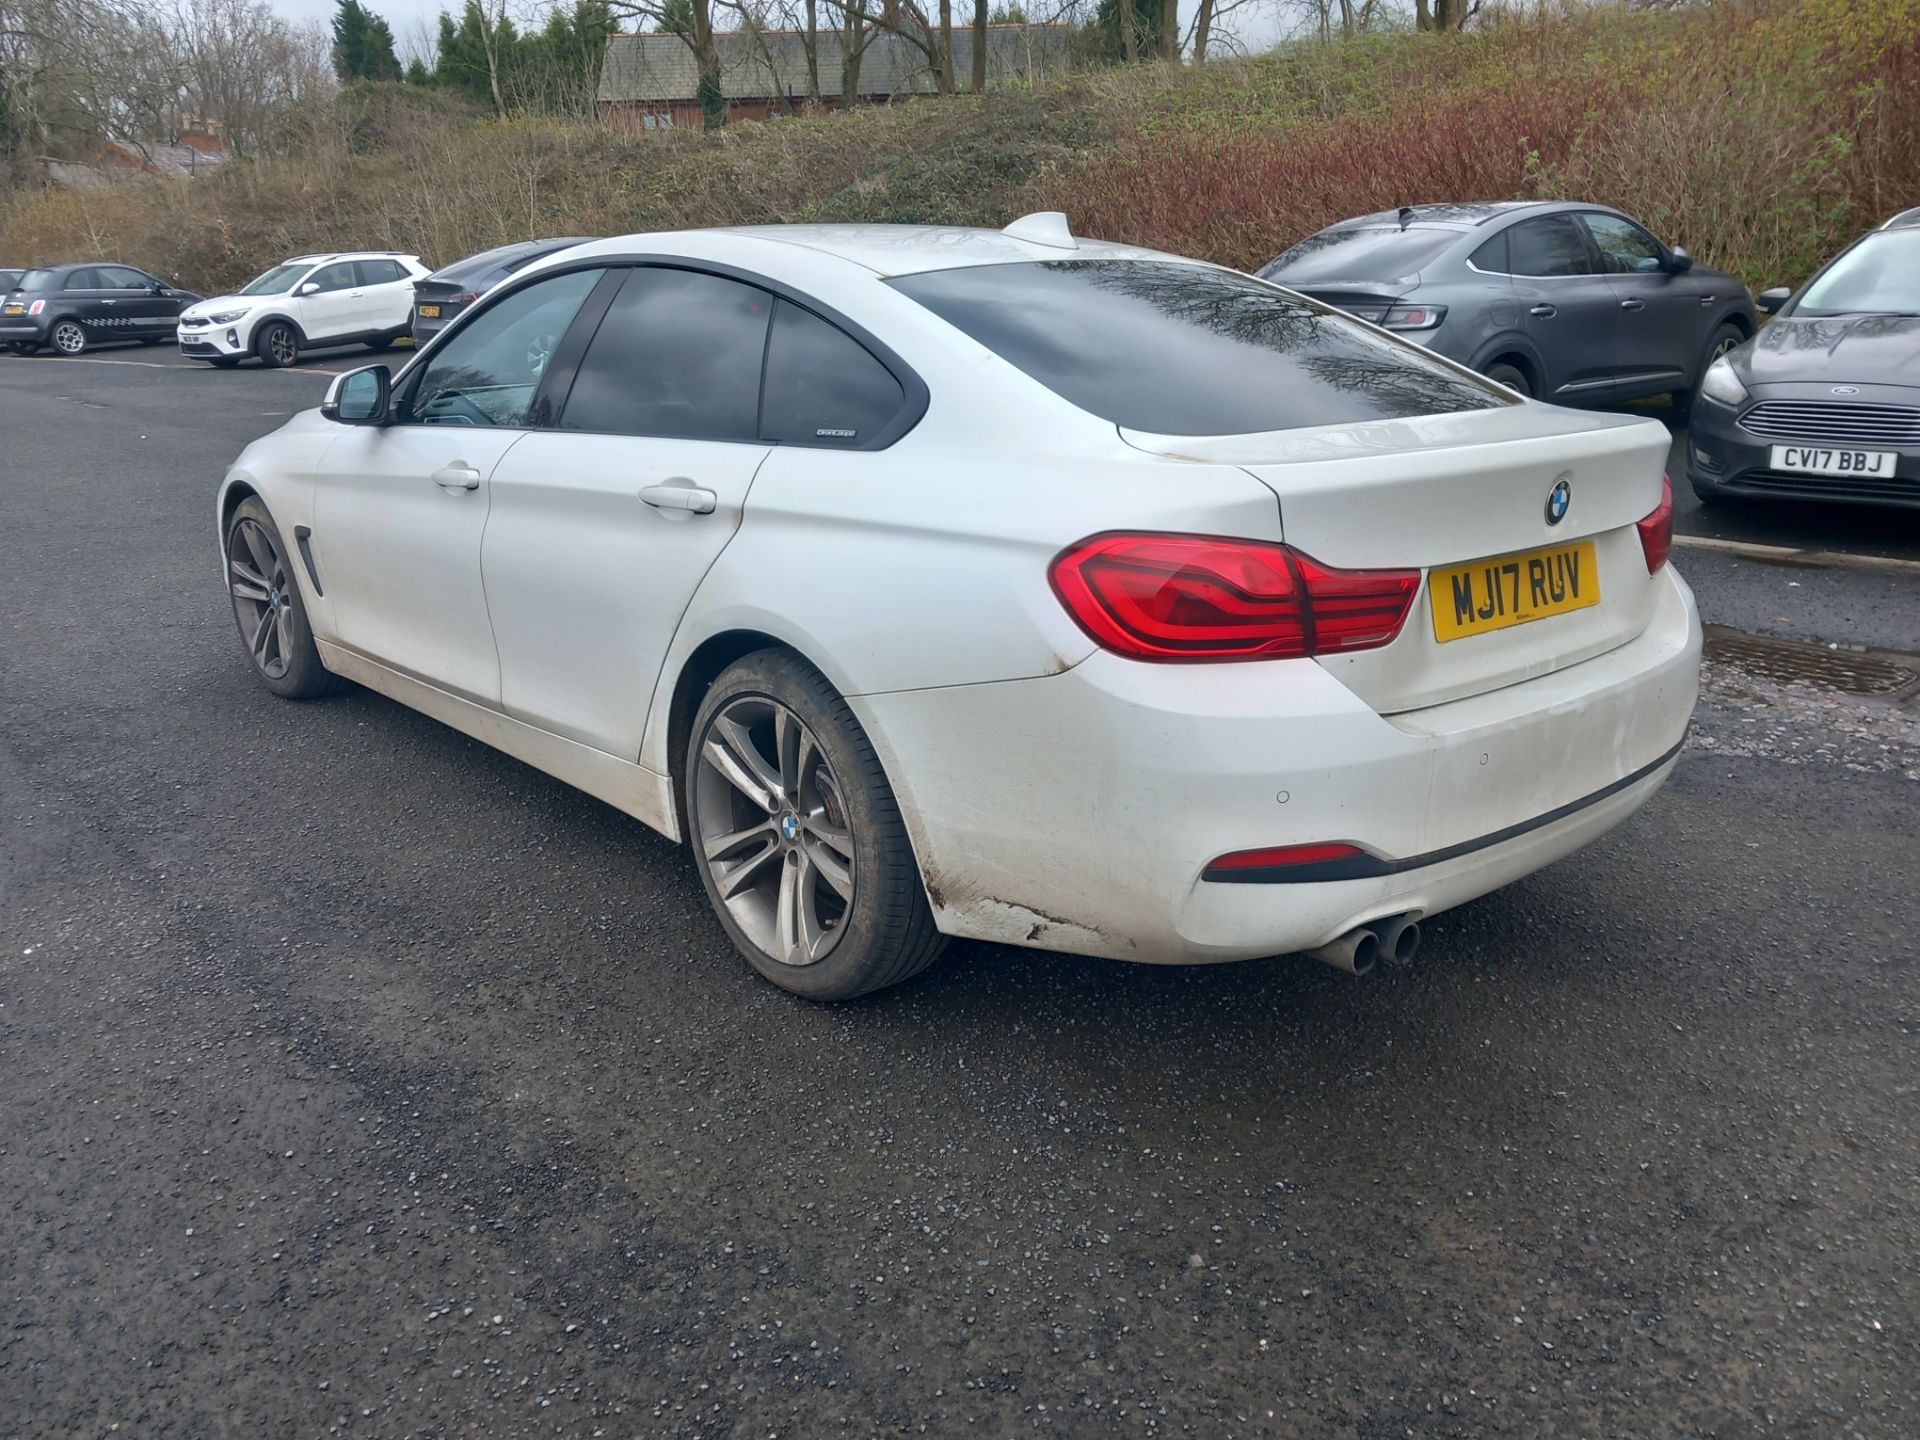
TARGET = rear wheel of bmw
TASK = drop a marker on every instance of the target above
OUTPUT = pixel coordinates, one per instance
(268, 608)
(68, 337)
(797, 835)
(277, 345)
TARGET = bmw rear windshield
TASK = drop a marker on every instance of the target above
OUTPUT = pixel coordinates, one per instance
(1176, 349)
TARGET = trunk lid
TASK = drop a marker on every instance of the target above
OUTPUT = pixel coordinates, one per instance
(1445, 490)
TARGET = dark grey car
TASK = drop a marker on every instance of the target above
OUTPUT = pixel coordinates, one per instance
(1565, 302)
(441, 296)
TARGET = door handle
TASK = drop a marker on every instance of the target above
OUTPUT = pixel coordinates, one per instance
(1631, 305)
(690, 498)
(457, 476)
(1545, 312)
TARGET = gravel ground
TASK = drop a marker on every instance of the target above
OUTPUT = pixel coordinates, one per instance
(361, 1081)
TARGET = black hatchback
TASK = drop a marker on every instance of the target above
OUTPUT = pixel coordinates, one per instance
(448, 291)
(71, 308)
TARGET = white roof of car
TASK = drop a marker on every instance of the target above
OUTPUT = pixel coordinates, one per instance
(1905, 220)
(349, 255)
(909, 249)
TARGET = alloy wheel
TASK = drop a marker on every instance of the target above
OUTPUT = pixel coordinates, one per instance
(262, 597)
(771, 828)
(539, 352)
(1725, 345)
(68, 338)
(282, 346)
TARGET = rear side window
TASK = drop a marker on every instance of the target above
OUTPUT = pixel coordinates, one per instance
(1492, 256)
(1189, 350)
(823, 387)
(337, 276)
(1551, 245)
(379, 272)
(1372, 252)
(678, 356)
(119, 277)
(84, 278)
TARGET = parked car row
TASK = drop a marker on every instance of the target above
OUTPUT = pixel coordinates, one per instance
(320, 301)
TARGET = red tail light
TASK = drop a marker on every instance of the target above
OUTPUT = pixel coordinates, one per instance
(465, 297)
(1656, 529)
(1195, 597)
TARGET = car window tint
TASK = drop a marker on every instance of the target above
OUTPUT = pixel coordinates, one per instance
(678, 354)
(338, 276)
(120, 277)
(823, 387)
(379, 272)
(487, 372)
(1369, 252)
(1625, 249)
(1548, 245)
(1492, 256)
(82, 279)
(1190, 350)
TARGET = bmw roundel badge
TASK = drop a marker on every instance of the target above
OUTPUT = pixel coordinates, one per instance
(789, 827)
(1559, 500)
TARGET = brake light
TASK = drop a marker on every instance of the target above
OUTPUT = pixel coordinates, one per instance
(36, 307)
(465, 297)
(1656, 528)
(1195, 597)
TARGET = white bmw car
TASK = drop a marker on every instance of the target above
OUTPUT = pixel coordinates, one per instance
(940, 582)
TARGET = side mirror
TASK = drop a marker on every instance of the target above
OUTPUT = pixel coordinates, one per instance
(312, 287)
(1771, 302)
(156, 288)
(359, 397)
(1678, 261)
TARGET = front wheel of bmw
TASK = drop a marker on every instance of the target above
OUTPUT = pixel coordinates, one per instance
(268, 608)
(797, 835)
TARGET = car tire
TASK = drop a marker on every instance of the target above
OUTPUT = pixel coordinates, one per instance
(1510, 377)
(1726, 336)
(797, 836)
(68, 337)
(223, 362)
(268, 608)
(151, 339)
(382, 342)
(277, 344)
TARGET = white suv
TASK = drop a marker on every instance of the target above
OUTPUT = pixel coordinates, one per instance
(308, 302)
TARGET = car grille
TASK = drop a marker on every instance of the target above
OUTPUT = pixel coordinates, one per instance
(1828, 423)
(1894, 489)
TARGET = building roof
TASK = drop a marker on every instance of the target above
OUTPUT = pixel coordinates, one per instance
(760, 65)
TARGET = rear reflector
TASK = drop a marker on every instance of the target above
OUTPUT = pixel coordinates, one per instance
(1656, 529)
(1276, 857)
(1196, 597)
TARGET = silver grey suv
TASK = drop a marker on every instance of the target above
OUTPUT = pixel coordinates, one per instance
(1565, 302)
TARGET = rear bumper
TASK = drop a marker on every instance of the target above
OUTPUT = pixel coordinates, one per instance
(22, 330)
(1078, 812)
(1726, 456)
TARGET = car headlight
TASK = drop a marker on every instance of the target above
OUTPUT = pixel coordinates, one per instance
(1720, 383)
(227, 317)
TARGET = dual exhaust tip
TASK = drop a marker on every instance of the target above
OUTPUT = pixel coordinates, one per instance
(1395, 939)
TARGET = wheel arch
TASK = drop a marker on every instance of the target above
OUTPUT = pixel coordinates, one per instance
(1519, 352)
(701, 668)
(260, 322)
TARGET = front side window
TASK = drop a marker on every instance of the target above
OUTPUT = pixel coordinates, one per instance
(1878, 276)
(277, 281)
(328, 278)
(488, 371)
(1551, 245)
(1179, 349)
(823, 387)
(1625, 249)
(677, 355)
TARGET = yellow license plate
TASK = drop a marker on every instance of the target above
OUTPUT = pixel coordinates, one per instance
(1492, 594)
(429, 312)
(16, 310)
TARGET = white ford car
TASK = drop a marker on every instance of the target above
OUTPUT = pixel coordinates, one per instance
(311, 302)
(937, 582)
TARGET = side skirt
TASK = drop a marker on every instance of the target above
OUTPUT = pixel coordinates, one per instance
(630, 788)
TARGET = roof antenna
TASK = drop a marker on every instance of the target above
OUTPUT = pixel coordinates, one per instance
(1044, 227)
(1406, 216)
